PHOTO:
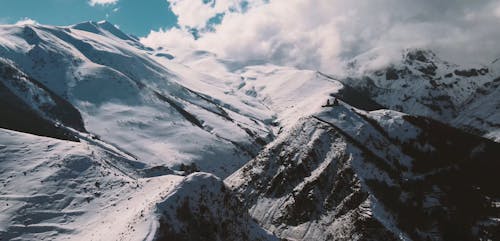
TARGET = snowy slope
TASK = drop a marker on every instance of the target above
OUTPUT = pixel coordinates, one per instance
(289, 92)
(54, 189)
(117, 85)
(285, 93)
(61, 190)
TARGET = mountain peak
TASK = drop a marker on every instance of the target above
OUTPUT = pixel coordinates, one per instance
(420, 55)
(102, 27)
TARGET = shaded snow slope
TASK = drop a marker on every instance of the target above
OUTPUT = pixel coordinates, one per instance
(346, 174)
(303, 187)
(28, 106)
(202, 208)
(481, 113)
(423, 84)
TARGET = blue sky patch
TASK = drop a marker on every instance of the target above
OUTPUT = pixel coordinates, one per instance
(132, 16)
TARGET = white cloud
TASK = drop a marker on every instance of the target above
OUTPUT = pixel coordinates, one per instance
(173, 38)
(102, 2)
(323, 34)
(25, 21)
(196, 13)
(281, 32)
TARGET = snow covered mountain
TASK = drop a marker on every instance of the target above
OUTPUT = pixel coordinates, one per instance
(423, 84)
(116, 85)
(124, 105)
(103, 138)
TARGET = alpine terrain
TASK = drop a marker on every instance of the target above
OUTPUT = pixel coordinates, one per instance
(104, 138)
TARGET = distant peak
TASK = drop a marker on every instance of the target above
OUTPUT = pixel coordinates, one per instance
(93, 24)
(101, 28)
(420, 55)
(89, 26)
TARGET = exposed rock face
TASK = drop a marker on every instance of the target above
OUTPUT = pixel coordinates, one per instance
(304, 187)
(360, 176)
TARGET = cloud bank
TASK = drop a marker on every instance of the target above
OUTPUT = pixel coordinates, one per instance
(324, 34)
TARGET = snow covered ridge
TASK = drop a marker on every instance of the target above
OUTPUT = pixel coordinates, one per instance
(346, 174)
(176, 144)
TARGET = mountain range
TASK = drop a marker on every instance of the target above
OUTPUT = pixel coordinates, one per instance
(104, 138)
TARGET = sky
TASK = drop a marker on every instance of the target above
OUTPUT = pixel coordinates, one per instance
(136, 17)
(313, 34)
(327, 34)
